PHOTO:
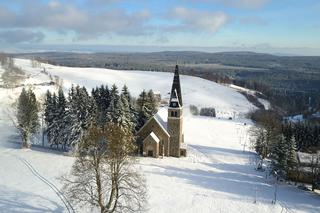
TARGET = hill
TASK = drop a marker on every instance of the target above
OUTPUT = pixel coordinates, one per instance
(217, 176)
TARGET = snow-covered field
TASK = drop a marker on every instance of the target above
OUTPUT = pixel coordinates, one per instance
(217, 176)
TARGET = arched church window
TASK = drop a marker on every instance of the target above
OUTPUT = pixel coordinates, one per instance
(175, 114)
(172, 113)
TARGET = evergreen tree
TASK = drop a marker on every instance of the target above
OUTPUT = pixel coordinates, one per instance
(27, 116)
(292, 155)
(78, 116)
(142, 114)
(152, 105)
(59, 122)
(125, 119)
(146, 107)
(53, 125)
(126, 94)
(279, 156)
(114, 107)
(48, 112)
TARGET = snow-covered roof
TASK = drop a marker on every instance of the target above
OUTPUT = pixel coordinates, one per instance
(162, 117)
(154, 137)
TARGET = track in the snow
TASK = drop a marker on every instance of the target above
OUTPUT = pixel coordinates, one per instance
(48, 183)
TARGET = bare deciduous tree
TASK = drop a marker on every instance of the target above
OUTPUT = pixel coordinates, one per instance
(104, 174)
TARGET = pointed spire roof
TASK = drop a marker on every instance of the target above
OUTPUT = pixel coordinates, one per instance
(176, 88)
(174, 101)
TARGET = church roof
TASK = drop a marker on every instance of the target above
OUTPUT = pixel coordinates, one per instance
(176, 86)
(161, 118)
(174, 101)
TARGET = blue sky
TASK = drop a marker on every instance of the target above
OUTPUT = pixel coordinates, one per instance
(285, 26)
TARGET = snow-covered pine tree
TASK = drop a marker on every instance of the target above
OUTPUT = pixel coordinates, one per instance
(61, 107)
(103, 104)
(27, 116)
(77, 117)
(152, 104)
(142, 114)
(125, 119)
(126, 94)
(146, 107)
(292, 154)
(279, 156)
(54, 125)
(49, 105)
(133, 113)
(113, 109)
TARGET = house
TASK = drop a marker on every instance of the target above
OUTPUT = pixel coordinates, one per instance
(162, 134)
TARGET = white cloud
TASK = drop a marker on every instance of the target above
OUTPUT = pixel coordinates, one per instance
(20, 36)
(57, 17)
(199, 20)
(247, 4)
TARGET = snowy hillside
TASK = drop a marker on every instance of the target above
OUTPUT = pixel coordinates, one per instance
(217, 176)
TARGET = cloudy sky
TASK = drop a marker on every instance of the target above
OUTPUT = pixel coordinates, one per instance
(277, 26)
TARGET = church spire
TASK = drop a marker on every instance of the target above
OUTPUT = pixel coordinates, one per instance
(176, 88)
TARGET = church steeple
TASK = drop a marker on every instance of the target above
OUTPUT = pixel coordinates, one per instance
(176, 88)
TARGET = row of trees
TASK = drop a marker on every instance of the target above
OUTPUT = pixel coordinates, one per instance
(280, 142)
(67, 119)
(101, 127)
(306, 134)
(207, 111)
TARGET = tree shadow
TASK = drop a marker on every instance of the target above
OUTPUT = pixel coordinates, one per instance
(222, 151)
(14, 142)
(15, 201)
(242, 182)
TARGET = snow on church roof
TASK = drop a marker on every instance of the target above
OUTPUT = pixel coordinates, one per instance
(162, 117)
(155, 138)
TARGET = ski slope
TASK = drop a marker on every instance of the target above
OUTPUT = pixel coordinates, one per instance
(217, 176)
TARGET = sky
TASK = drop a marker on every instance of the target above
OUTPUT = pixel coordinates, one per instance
(271, 26)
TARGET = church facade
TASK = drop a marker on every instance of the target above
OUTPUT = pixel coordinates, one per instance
(163, 135)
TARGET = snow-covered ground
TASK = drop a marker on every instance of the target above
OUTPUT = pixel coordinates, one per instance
(217, 176)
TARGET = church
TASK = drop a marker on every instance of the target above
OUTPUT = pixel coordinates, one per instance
(163, 135)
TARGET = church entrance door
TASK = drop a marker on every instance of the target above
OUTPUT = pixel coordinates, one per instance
(150, 153)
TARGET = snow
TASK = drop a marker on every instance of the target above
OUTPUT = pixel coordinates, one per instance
(265, 103)
(295, 118)
(154, 137)
(218, 174)
(195, 90)
(162, 117)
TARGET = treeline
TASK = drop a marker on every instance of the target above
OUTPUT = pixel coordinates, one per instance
(68, 118)
(100, 128)
(307, 135)
(207, 111)
(280, 142)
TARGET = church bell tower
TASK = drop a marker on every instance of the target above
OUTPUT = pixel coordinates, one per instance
(175, 116)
